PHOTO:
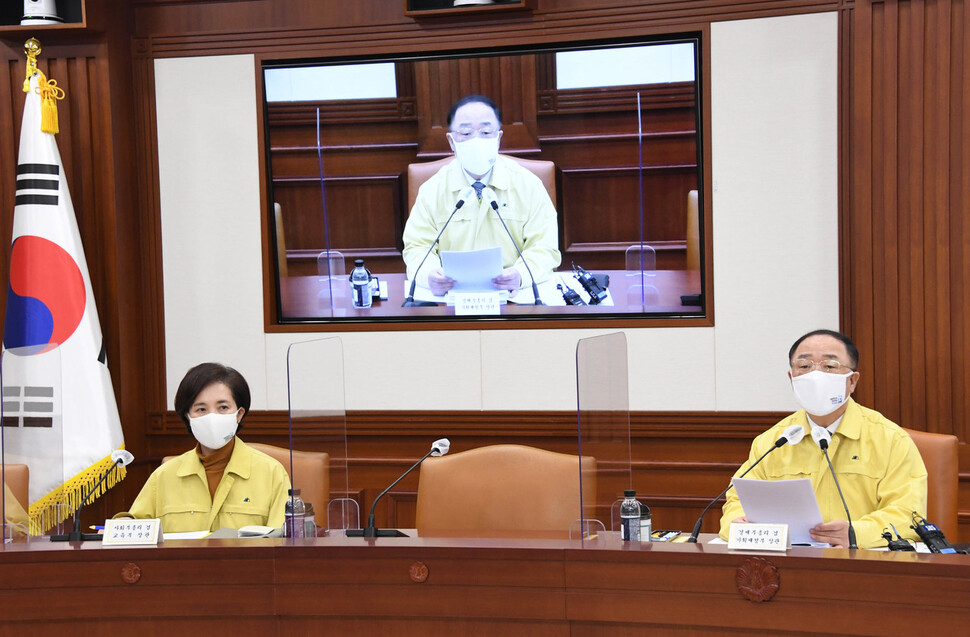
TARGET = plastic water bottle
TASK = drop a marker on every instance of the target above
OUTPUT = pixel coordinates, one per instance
(630, 517)
(360, 284)
(294, 525)
(646, 523)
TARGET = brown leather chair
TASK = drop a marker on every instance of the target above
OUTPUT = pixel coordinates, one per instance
(421, 172)
(312, 470)
(17, 477)
(508, 489)
(693, 232)
(280, 240)
(940, 455)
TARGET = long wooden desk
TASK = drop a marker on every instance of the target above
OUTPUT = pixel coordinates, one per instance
(309, 297)
(421, 586)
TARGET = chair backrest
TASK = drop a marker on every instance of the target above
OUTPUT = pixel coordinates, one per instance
(940, 455)
(421, 172)
(312, 469)
(17, 477)
(280, 240)
(504, 488)
(693, 233)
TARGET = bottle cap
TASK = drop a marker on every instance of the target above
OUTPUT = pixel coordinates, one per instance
(293, 491)
(629, 493)
(644, 512)
(358, 263)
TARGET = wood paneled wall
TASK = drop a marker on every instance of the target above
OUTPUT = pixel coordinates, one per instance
(904, 178)
(905, 200)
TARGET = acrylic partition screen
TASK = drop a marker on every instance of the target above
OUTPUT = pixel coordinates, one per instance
(617, 132)
(318, 431)
(32, 442)
(603, 414)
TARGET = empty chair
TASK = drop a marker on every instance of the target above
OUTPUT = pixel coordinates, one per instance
(939, 453)
(505, 489)
(693, 232)
(17, 478)
(280, 240)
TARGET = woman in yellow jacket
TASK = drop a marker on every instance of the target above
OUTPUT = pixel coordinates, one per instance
(221, 483)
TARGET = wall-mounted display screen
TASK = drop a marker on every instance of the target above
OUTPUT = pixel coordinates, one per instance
(578, 181)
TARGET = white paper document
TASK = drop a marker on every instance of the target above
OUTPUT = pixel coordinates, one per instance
(790, 502)
(472, 270)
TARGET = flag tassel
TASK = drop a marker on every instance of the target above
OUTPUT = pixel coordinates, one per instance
(45, 512)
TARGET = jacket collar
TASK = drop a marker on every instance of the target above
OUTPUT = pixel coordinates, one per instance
(240, 462)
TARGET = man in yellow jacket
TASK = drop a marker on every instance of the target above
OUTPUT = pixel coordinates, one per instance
(879, 468)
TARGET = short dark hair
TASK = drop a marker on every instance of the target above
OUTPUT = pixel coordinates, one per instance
(850, 347)
(203, 375)
(474, 99)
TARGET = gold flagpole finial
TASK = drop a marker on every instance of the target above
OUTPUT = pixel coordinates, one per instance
(32, 49)
(49, 91)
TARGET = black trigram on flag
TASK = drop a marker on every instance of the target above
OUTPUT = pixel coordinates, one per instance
(28, 406)
(37, 184)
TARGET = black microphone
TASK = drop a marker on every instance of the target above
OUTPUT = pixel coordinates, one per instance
(439, 448)
(821, 436)
(792, 436)
(535, 289)
(410, 302)
(122, 458)
(931, 535)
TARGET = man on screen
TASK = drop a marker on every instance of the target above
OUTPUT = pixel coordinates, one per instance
(480, 175)
(879, 468)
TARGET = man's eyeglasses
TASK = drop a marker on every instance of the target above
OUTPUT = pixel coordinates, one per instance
(485, 132)
(830, 366)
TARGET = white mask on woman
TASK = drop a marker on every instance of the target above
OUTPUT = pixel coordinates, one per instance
(477, 155)
(820, 393)
(214, 431)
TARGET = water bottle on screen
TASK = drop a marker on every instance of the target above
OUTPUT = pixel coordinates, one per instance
(294, 525)
(630, 517)
(360, 284)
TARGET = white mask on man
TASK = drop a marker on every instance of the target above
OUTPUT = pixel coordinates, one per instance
(214, 431)
(820, 393)
(477, 155)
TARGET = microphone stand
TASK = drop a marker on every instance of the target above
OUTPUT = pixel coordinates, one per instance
(535, 289)
(76, 535)
(371, 530)
(410, 302)
(781, 442)
(824, 444)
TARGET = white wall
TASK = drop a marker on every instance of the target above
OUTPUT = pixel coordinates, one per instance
(774, 151)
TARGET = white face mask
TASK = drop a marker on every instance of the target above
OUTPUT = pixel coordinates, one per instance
(820, 393)
(214, 431)
(477, 155)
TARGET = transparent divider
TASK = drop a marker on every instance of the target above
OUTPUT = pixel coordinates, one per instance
(31, 441)
(641, 273)
(603, 415)
(318, 425)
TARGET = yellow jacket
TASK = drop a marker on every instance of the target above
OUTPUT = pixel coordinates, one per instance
(253, 490)
(880, 470)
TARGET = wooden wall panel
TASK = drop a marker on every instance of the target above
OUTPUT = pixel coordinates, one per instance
(904, 233)
(509, 81)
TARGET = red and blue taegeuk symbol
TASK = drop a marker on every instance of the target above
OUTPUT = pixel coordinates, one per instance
(45, 297)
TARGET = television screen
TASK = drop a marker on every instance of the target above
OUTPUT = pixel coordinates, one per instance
(608, 222)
